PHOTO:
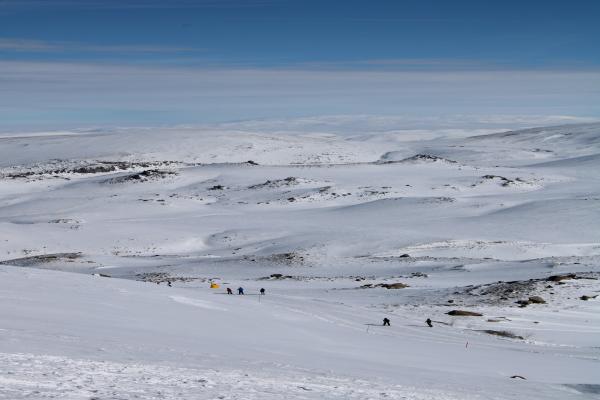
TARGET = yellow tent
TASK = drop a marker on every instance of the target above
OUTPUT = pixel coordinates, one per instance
(214, 285)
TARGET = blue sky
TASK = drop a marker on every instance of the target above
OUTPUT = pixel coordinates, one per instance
(107, 62)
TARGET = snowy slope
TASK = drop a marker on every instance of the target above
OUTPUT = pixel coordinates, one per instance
(322, 221)
(124, 337)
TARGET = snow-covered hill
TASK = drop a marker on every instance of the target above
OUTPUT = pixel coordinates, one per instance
(341, 231)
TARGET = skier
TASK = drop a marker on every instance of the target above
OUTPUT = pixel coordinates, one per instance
(428, 321)
(262, 291)
(229, 291)
(169, 283)
(240, 290)
(386, 322)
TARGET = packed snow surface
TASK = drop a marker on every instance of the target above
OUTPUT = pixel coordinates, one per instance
(110, 240)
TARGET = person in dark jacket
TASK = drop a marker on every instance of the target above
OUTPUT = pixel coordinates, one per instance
(386, 322)
(262, 291)
(229, 291)
(428, 322)
(240, 290)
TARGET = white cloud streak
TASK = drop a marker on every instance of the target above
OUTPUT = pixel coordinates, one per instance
(26, 45)
(86, 93)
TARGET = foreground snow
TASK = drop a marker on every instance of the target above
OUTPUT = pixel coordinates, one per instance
(28, 377)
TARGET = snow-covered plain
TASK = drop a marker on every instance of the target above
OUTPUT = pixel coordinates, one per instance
(322, 220)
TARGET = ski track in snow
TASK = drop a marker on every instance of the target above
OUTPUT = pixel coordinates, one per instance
(196, 303)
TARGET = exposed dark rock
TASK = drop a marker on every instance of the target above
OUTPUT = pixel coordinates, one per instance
(505, 181)
(289, 181)
(43, 258)
(96, 169)
(144, 176)
(523, 303)
(159, 277)
(536, 300)
(505, 334)
(397, 285)
(291, 258)
(60, 168)
(463, 313)
(559, 278)
(423, 158)
(276, 277)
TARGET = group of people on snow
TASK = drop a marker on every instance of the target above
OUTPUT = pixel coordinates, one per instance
(262, 291)
(240, 291)
(386, 322)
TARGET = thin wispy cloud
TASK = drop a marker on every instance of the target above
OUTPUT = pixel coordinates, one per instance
(46, 48)
(399, 64)
(28, 45)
